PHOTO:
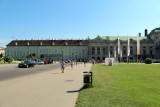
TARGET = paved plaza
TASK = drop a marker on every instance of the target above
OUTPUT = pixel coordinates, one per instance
(46, 89)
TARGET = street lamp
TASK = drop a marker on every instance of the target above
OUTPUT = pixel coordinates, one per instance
(27, 50)
(72, 56)
(83, 54)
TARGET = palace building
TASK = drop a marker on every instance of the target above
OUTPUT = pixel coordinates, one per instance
(2, 50)
(98, 48)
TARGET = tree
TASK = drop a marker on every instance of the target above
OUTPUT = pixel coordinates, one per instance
(42, 56)
(1, 55)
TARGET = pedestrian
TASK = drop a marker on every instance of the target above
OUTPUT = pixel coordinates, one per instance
(71, 64)
(76, 62)
(84, 63)
(93, 62)
(62, 66)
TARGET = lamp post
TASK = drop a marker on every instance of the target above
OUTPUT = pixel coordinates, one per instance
(83, 54)
(72, 56)
(80, 57)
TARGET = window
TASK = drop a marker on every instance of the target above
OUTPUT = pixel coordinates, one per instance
(144, 52)
(131, 58)
(93, 50)
(131, 52)
(111, 52)
(98, 50)
(124, 52)
(150, 52)
(104, 51)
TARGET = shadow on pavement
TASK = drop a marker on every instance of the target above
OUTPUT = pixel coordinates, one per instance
(84, 87)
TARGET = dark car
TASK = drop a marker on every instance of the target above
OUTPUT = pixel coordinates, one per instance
(50, 61)
(26, 64)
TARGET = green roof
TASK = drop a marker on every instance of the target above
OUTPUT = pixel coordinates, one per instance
(120, 37)
(154, 30)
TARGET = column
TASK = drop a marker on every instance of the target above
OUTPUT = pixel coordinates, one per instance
(109, 51)
(96, 50)
(100, 50)
(115, 52)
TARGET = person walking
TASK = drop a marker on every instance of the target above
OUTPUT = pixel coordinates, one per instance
(62, 66)
(71, 64)
(76, 62)
(85, 63)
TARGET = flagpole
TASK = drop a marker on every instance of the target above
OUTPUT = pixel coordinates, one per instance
(118, 49)
(137, 50)
(137, 58)
(138, 46)
(128, 48)
(127, 60)
(121, 55)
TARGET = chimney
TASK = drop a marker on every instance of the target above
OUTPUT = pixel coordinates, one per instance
(139, 34)
(145, 32)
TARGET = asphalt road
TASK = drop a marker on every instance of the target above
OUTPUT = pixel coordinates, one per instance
(10, 71)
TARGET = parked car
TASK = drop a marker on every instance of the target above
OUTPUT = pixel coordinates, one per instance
(48, 61)
(39, 62)
(155, 60)
(26, 64)
(45, 61)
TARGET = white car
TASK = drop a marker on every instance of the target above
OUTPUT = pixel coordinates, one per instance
(155, 60)
(39, 62)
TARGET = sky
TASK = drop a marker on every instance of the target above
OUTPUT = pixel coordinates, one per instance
(75, 19)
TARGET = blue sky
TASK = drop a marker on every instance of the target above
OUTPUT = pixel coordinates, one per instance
(75, 19)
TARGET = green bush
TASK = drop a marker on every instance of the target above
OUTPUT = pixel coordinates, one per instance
(20, 59)
(34, 59)
(42, 59)
(9, 59)
(0, 59)
(148, 61)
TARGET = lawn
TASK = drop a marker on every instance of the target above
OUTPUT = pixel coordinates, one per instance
(123, 85)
